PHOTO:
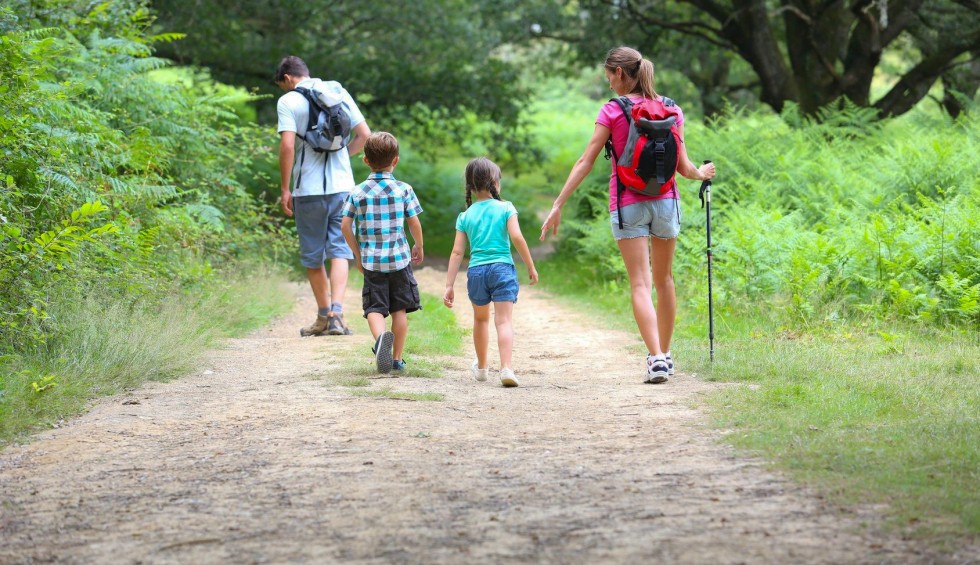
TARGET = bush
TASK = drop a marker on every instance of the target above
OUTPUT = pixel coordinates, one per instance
(114, 182)
(835, 218)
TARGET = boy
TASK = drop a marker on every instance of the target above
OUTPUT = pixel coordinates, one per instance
(381, 205)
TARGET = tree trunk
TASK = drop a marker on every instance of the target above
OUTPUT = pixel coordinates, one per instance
(750, 31)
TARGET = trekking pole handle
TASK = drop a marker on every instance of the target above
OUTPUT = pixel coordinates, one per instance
(705, 188)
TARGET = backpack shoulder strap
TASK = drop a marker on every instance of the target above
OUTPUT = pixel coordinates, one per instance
(668, 102)
(625, 104)
(314, 111)
(306, 92)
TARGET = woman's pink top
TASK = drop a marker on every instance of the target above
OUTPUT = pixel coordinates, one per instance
(611, 116)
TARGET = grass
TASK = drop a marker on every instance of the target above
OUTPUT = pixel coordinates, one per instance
(863, 412)
(387, 392)
(432, 330)
(418, 367)
(864, 418)
(351, 381)
(432, 333)
(104, 347)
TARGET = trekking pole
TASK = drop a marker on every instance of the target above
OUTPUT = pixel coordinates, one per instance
(705, 195)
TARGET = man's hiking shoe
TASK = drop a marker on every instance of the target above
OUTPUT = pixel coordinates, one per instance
(336, 325)
(319, 327)
(478, 373)
(657, 370)
(382, 352)
(507, 378)
(670, 363)
(398, 365)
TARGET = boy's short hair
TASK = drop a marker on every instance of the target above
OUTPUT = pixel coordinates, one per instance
(380, 150)
(291, 65)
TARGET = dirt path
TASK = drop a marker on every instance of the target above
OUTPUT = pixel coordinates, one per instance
(261, 458)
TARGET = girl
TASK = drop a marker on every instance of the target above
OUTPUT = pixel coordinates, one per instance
(489, 225)
(650, 223)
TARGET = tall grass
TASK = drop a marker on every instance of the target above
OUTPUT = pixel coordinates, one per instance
(107, 346)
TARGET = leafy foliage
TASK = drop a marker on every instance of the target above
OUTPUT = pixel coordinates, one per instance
(420, 67)
(841, 216)
(115, 182)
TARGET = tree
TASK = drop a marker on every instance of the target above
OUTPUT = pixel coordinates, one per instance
(427, 64)
(810, 52)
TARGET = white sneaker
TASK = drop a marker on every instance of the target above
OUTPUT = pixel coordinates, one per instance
(478, 373)
(507, 378)
(657, 369)
(670, 363)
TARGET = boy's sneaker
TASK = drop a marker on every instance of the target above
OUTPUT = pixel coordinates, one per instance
(318, 327)
(657, 369)
(478, 373)
(382, 352)
(507, 378)
(670, 363)
(398, 365)
(336, 324)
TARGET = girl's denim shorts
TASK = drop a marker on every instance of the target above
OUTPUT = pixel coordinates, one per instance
(657, 218)
(492, 282)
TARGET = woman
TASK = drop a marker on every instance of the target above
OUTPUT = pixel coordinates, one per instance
(650, 223)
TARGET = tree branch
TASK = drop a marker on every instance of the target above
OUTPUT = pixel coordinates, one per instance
(694, 28)
(915, 84)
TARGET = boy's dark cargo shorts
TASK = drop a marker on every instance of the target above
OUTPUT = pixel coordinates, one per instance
(385, 293)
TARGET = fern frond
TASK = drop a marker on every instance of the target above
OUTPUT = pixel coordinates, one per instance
(169, 37)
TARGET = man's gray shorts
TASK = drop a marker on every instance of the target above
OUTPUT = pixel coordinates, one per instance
(318, 224)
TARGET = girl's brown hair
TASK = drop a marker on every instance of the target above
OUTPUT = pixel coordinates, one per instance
(635, 69)
(481, 174)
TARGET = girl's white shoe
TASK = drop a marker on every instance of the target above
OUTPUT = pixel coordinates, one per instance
(507, 378)
(478, 373)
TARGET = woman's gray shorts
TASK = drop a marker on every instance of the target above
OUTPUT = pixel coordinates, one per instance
(657, 218)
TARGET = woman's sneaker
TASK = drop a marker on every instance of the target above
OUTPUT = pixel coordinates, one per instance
(657, 369)
(508, 378)
(478, 373)
(398, 365)
(382, 352)
(670, 363)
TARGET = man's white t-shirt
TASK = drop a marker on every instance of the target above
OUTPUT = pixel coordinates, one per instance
(318, 173)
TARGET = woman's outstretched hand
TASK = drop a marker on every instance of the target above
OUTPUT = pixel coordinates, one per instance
(551, 222)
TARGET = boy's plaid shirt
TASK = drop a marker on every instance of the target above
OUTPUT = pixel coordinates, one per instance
(380, 205)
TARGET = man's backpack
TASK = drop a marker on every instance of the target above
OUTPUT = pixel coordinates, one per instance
(329, 126)
(649, 160)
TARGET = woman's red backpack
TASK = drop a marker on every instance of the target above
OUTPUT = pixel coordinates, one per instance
(649, 161)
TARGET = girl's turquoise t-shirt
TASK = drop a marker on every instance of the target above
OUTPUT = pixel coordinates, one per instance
(485, 225)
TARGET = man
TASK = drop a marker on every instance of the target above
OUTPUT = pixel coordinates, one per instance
(320, 183)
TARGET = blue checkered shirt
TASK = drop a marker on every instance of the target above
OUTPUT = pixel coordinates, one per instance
(380, 205)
